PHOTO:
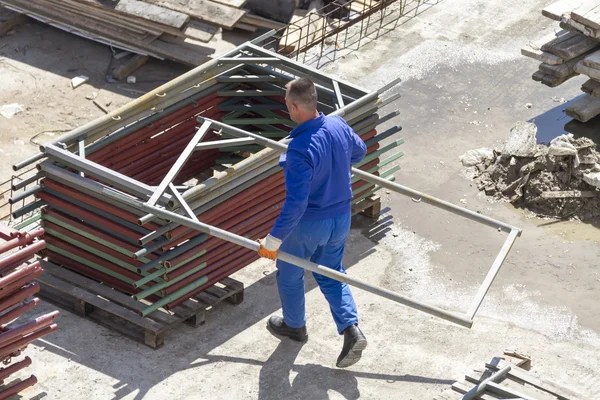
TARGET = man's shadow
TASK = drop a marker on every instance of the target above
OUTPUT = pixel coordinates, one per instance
(275, 381)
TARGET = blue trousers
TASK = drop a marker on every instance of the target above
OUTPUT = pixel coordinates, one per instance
(321, 242)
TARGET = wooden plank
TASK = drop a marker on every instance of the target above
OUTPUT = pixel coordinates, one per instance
(537, 54)
(520, 375)
(582, 69)
(463, 388)
(561, 70)
(588, 14)
(261, 22)
(556, 10)
(572, 25)
(550, 80)
(155, 13)
(204, 10)
(103, 291)
(185, 52)
(529, 392)
(246, 27)
(201, 31)
(562, 194)
(96, 301)
(593, 60)
(584, 109)
(132, 64)
(572, 47)
(231, 3)
(10, 19)
(591, 87)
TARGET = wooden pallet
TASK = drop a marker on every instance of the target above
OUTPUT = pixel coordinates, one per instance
(119, 312)
(369, 207)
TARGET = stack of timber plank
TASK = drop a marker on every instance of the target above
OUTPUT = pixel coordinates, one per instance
(574, 49)
(188, 32)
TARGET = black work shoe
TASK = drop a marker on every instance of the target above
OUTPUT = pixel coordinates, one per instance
(278, 326)
(354, 344)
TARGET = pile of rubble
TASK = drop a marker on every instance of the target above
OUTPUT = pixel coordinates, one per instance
(560, 179)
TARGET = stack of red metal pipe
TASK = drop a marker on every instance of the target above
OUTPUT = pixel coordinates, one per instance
(17, 273)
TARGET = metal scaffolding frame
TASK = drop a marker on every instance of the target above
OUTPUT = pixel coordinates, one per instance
(168, 208)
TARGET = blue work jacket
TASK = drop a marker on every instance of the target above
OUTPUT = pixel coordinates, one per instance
(317, 172)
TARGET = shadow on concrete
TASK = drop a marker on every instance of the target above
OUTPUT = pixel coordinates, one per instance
(61, 53)
(138, 368)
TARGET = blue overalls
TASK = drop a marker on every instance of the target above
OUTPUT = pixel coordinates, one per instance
(315, 219)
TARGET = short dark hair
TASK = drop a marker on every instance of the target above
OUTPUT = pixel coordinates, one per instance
(302, 91)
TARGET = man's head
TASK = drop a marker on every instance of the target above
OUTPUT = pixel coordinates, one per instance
(301, 100)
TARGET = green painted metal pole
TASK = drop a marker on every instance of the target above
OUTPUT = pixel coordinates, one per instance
(159, 286)
(174, 296)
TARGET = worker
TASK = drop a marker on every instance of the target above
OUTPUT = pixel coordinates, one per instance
(315, 218)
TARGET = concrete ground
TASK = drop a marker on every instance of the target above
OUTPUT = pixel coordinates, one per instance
(465, 86)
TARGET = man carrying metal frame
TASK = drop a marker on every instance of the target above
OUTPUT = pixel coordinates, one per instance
(315, 219)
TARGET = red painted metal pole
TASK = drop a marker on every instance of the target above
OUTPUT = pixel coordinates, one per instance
(20, 344)
(15, 312)
(18, 388)
(8, 371)
(21, 240)
(25, 252)
(19, 296)
(29, 327)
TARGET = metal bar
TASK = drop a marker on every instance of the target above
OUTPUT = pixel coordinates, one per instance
(249, 60)
(319, 269)
(182, 203)
(28, 208)
(28, 161)
(26, 182)
(221, 144)
(383, 135)
(338, 94)
(493, 272)
(252, 107)
(247, 78)
(81, 146)
(63, 176)
(28, 222)
(117, 179)
(250, 93)
(481, 387)
(282, 147)
(24, 194)
(320, 88)
(123, 132)
(181, 160)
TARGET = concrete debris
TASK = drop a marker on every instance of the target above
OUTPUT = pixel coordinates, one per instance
(522, 140)
(562, 146)
(78, 81)
(476, 156)
(592, 178)
(91, 96)
(534, 180)
(10, 110)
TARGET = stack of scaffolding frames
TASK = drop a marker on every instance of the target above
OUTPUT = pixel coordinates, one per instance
(152, 147)
(165, 206)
